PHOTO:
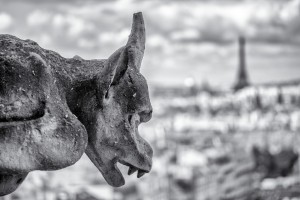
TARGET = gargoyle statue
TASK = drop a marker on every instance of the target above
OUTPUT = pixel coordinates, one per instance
(54, 109)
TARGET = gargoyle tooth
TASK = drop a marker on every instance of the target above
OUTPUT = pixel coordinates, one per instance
(141, 173)
(131, 170)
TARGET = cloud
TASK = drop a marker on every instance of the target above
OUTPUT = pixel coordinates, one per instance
(263, 21)
(187, 34)
(281, 26)
(38, 18)
(114, 37)
(5, 21)
(184, 37)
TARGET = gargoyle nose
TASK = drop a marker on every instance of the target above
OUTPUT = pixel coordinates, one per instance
(146, 114)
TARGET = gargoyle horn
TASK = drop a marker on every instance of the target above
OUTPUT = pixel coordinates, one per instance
(136, 42)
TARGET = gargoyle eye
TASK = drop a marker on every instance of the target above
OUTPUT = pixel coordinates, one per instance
(107, 94)
(129, 118)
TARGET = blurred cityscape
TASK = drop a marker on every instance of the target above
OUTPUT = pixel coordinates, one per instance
(208, 144)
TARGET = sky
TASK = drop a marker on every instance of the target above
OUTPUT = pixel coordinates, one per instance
(185, 38)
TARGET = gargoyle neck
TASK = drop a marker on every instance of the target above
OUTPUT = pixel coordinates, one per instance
(82, 75)
(83, 71)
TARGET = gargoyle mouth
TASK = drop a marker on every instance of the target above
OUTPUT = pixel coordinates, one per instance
(22, 119)
(20, 115)
(113, 175)
(132, 169)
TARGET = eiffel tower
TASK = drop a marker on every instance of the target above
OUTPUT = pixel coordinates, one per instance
(242, 76)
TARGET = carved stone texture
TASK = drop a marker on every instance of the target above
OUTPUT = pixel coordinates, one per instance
(53, 109)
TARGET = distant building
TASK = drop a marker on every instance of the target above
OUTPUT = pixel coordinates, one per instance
(242, 76)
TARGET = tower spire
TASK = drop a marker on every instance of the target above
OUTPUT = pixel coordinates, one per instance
(242, 76)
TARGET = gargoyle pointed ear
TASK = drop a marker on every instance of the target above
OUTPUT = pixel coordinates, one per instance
(129, 56)
(108, 75)
(136, 43)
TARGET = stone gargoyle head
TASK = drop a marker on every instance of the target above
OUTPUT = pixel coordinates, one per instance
(53, 109)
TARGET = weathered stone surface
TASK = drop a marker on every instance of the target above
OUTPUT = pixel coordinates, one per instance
(53, 109)
(10, 182)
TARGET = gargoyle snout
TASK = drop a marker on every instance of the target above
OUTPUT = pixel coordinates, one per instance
(146, 114)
